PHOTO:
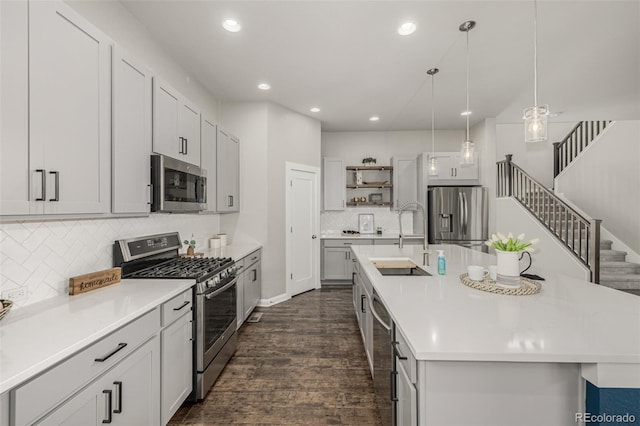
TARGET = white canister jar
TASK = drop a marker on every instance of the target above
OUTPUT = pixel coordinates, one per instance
(223, 239)
(508, 268)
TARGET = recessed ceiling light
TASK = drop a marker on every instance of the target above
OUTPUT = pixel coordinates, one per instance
(315, 109)
(231, 26)
(465, 113)
(264, 86)
(406, 28)
(374, 118)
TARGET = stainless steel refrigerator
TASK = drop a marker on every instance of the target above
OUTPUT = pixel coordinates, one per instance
(458, 215)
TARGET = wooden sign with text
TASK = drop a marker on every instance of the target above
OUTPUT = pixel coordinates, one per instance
(94, 280)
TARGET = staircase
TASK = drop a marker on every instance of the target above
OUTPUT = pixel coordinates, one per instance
(581, 236)
(616, 272)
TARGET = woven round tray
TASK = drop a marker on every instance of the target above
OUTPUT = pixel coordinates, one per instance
(526, 288)
(6, 305)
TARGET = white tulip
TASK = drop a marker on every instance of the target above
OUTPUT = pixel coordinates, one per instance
(510, 235)
(530, 249)
(535, 241)
(505, 240)
(521, 237)
(494, 238)
(489, 243)
(501, 236)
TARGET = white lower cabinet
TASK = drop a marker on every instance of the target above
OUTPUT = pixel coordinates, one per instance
(177, 365)
(336, 261)
(249, 285)
(364, 316)
(126, 395)
(407, 404)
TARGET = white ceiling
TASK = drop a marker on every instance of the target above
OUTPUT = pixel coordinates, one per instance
(347, 58)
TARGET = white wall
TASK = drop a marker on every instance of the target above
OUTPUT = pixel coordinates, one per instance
(483, 135)
(116, 21)
(40, 256)
(550, 254)
(270, 135)
(354, 146)
(534, 158)
(604, 181)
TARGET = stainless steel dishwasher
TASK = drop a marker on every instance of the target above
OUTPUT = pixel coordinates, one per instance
(383, 360)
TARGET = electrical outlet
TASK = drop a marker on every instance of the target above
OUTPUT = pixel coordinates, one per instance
(16, 294)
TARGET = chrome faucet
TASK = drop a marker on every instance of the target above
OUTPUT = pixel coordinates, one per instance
(425, 244)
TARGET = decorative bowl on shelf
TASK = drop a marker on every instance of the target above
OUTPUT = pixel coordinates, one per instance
(382, 182)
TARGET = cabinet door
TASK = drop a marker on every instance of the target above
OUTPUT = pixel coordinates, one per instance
(405, 181)
(208, 160)
(240, 299)
(190, 131)
(227, 173)
(336, 263)
(445, 167)
(131, 147)
(70, 108)
(166, 125)
(470, 172)
(14, 110)
(407, 404)
(334, 186)
(251, 288)
(177, 365)
(129, 394)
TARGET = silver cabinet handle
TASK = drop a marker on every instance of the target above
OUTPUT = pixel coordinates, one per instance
(181, 145)
(255, 275)
(397, 352)
(109, 406)
(186, 146)
(56, 197)
(44, 184)
(229, 200)
(150, 186)
(362, 298)
(119, 409)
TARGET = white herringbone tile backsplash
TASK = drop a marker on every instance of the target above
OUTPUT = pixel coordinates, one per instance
(337, 221)
(41, 256)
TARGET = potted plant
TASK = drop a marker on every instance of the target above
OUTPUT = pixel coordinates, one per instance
(368, 161)
(508, 251)
(191, 246)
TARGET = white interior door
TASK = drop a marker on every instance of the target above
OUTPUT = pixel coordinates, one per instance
(303, 223)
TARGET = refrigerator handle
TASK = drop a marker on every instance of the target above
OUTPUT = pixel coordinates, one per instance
(461, 215)
(466, 213)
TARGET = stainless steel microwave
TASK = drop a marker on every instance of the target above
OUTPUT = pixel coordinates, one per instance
(178, 187)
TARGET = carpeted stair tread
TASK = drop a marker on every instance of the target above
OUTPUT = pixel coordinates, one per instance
(612, 255)
(621, 281)
(610, 267)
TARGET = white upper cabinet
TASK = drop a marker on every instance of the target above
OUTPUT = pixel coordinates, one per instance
(131, 148)
(69, 111)
(14, 108)
(208, 160)
(227, 172)
(405, 180)
(450, 172)
(334, 191)
(190, 129)
(176, 124)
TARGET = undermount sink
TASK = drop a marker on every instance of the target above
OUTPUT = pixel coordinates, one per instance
(398, 266)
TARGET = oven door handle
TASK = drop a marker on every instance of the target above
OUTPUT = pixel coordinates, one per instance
(220, 290)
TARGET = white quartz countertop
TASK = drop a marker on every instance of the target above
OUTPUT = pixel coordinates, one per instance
(38, 336)
(568, 321)
(339, 235)
(234, 251)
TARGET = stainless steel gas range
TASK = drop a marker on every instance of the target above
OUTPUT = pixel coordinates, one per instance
(156, 256)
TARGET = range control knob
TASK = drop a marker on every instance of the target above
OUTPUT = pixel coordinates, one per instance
(223, 275)
(216, 280)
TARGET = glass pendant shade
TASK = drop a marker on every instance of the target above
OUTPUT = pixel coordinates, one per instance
(467, 153)
(535, 123)
(433, 166)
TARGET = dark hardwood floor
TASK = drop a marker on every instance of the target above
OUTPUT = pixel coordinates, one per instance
(303, 363)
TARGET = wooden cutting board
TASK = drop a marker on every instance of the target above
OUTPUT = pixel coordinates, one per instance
(387, 264)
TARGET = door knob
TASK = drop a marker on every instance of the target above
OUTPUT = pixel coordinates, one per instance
(313, 237)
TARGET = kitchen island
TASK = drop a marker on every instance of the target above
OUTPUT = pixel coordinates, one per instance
(484, 358)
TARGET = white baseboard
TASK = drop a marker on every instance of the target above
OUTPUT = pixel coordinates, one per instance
(263, 303)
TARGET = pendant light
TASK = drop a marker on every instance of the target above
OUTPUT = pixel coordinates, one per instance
(535, 117)
(433, 161)
(467, 151)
